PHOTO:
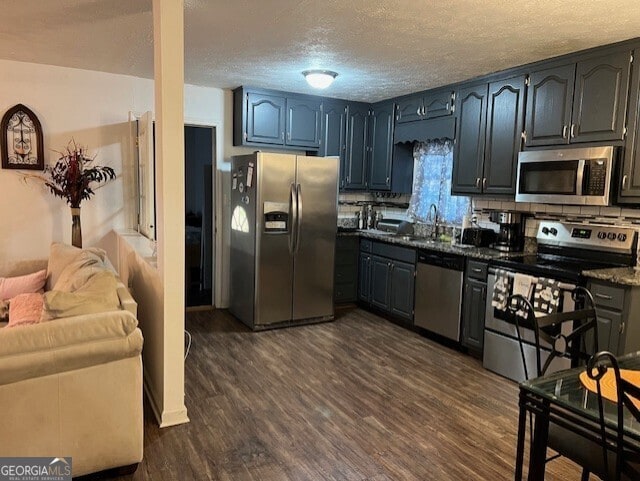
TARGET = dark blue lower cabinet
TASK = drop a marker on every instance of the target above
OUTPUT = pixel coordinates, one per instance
(473, 313)
(402, 289)
(380, 282)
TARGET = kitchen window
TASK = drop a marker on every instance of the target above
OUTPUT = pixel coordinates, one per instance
(433, 167)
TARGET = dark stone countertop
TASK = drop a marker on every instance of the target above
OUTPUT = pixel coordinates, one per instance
(626, 276)
(483, 253)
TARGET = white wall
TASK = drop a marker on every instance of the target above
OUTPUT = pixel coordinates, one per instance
(92, 108)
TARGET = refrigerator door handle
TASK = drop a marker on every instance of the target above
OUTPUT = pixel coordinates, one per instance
(293, 217)
(298, 216)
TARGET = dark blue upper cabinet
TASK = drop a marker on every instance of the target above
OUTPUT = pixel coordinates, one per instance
(357, 146)
(270, 118)
(410, 109)
(505, 119)
(429, 106)
(600, 98)
(303, 124)
(438, 104)
(334, 131)
(381, 153)
(549, 99)
(265, 119)
(468, 155)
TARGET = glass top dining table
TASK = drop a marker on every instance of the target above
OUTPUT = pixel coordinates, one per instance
(565, 389)
(561, 398)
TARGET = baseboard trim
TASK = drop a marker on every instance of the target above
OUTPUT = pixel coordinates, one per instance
(163, 418)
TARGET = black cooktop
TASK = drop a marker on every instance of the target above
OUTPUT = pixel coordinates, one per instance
(552, 266)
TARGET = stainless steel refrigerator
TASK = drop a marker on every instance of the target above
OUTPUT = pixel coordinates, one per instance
(283, 231)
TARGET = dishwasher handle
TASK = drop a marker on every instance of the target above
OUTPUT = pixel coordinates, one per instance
(440, 259)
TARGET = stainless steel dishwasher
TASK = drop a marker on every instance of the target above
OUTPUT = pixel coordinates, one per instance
(438, 303)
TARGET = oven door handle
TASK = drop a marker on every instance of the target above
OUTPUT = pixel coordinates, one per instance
(580, 176)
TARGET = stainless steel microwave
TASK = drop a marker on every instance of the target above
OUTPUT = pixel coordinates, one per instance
(565, 176)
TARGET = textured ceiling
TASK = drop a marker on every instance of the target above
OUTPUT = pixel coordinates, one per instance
(380, 49)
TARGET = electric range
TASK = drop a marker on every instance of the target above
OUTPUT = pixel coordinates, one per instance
(565, 250)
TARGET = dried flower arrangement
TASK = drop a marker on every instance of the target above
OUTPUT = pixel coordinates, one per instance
(73, 178)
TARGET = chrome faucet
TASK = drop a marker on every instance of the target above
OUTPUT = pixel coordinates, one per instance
(433, 214)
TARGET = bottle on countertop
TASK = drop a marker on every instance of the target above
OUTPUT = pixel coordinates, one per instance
(358, 220)
(372, 217)
(364, 217)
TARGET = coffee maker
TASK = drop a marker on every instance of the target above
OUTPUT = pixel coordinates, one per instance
(511, 234)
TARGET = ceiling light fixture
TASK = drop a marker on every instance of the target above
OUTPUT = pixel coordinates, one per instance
(319, 79)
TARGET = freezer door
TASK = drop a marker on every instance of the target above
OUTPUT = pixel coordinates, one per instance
(317, 199)
(274, 260)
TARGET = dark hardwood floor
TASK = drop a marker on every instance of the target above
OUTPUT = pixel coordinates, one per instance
(356, 399)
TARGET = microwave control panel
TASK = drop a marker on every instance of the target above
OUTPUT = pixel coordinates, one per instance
(595, 177)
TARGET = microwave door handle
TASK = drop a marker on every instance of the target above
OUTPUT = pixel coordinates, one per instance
(580, 176)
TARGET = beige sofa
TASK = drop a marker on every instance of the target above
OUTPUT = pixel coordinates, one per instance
(73, 386)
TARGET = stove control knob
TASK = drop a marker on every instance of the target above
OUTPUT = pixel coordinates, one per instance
(553, 231)
(602, 235)
(622, 237)
(611, 236)
(545, 230)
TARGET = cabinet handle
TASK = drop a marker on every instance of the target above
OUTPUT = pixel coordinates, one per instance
(573, 130)
(388, 180)
(622, 328)
(288, 135)
(564, 131)
(475, 269)
(603, 296)
(282, 135)
(424, 111)
(484, 183)
(625, 177)
(477, 182)
(388, 264)
(418, 111)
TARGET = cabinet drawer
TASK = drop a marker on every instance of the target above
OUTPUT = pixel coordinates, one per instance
(365, 245)
(608, 296)
(477, 270)
(394, 252)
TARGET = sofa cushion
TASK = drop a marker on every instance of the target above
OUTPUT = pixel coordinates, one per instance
(60, 255)
(25, 309)
(67, 344)
(12, 286)
(76, 274)
(98, 294)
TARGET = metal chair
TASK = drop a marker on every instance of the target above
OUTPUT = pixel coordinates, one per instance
(573, 346)
(618, 463)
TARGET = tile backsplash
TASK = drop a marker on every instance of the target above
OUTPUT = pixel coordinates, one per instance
(482, 207)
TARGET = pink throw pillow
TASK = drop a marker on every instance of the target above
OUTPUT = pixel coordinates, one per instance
(25, 309)
(10, 287)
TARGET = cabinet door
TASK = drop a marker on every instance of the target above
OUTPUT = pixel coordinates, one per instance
(629, 180)
(265, 119)
(600, 98)
(438, 104)
(505, 119)
(380, 282)
(409, 110)
(381, 141)
(304, 118)
(469, 149)
(334, 131)
(357, 147)
(609, 325)
(475, 295)
(549, 99)
(402, 289)
(364, 277)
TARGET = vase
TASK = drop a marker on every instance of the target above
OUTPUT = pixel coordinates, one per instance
(76, 228)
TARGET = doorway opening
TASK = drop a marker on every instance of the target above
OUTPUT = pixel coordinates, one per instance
(200, 161)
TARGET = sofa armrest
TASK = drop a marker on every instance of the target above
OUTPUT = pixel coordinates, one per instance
(67, 344)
